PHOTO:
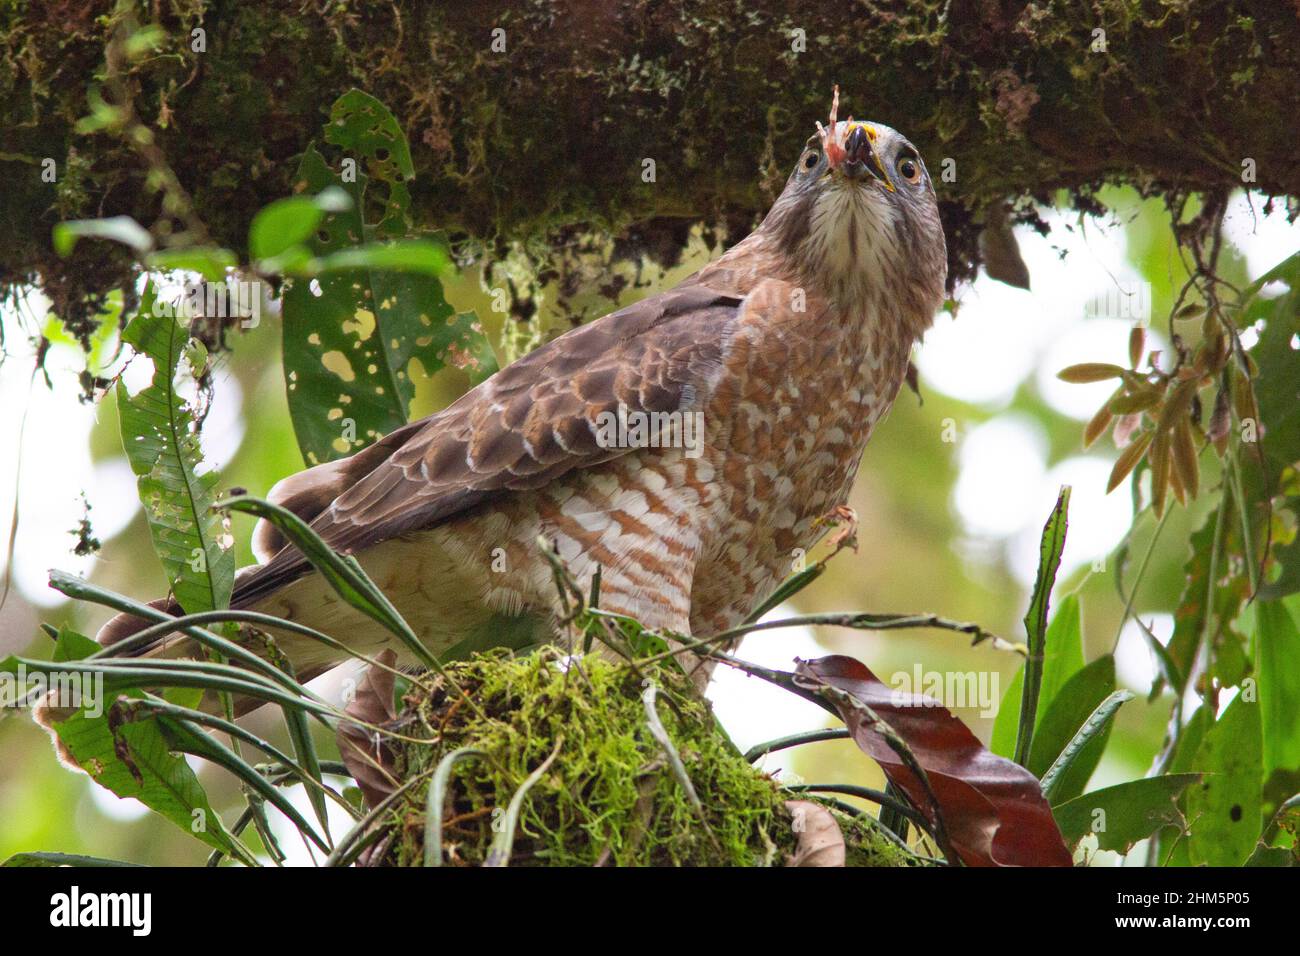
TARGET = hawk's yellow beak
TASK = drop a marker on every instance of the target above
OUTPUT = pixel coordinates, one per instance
(861, 158)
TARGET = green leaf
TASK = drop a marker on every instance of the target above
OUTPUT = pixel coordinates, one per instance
(146, 39)
(1079, 757)
(1263, 467)
(1277, 644)
(1007, 721)
(211, 262)
(43, 859)
(162, 445)
(376, 315)
(1271, 856)
(71, 646)
(1074, 705)
(1062, 658)
(1288, 271)
(343, 572)
(436, 801)
(1224, 809)
(121, 229)
(290, 222)
(361, 124)
(1049, 560)
(786, 590)
(203, 745)
(1122, 815)
(409, 255)
(132, 759)
(1168, 669)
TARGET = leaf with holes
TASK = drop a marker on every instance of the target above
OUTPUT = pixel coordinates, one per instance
(1224, 808)
(1122, 815)
(162, 443)
(375, 317)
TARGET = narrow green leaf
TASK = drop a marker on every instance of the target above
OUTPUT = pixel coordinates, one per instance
(121, 229)
(125, 676)
(43, 859)
(1049, 560)
(1062, 659)
(787, 589)
(342, 572)
(1075, 754)
(503, 843)
(436, 801)
(1061, 721)
(410, 255)
(211, 262)
(193, 741)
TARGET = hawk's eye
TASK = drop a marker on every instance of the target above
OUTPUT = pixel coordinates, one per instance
(810, 160)
(909, 170)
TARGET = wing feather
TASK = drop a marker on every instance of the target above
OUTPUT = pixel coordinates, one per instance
(529, 424)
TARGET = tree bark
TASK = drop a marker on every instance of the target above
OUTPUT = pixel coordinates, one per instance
(551, 132)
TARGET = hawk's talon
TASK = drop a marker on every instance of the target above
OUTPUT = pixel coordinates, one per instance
(846, 535)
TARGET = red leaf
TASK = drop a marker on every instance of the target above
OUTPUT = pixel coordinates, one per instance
(993, 809)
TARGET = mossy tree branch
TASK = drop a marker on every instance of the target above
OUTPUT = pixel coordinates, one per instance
(550, 133)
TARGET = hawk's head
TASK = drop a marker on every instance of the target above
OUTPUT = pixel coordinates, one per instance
(859, 218)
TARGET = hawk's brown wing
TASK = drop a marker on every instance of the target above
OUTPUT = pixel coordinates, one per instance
(530, 423)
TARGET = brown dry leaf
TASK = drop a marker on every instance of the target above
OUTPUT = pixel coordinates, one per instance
(1127, 460)
(1137, 343)
(1000, 250)
(1176, 483)
(1243, 398)
(1086, 372)
(1159, 471)
(370, 761)
(992, 808)
(1137, 402)
(1185, 464)
(1179, 401)
(1096, 426)
(820, 842)
(1220, 422)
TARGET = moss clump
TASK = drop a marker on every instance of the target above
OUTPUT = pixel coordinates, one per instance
(610, 795)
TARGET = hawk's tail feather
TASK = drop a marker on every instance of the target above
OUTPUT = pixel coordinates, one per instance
(126, 624)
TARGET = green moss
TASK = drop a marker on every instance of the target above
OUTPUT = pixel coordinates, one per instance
(610, 794)
(548, 136)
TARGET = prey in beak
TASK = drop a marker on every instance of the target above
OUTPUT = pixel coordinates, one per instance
(849, 148)
(860, 158)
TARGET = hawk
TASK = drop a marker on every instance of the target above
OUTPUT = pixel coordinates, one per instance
(770, 367)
